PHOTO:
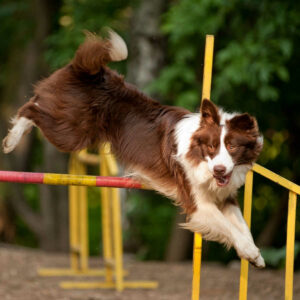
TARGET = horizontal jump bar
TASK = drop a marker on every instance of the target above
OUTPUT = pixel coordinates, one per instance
(117, 182)
(68, 179)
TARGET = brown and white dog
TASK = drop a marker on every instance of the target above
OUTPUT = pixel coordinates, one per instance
(197, 159)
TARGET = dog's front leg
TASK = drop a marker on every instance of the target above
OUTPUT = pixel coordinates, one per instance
(233, 213)
(214, 226)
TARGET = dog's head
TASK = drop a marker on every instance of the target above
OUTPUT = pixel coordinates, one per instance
(224, 141)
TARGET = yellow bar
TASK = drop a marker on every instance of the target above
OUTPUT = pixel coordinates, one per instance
(70, 272)
(277, 178)
(49, 272)
(208, 63)
(117, 236)
(106, 225)
(73, 215)
(108, 285)
(290, 245)
(196, 266)
(111, 162)
(247, 217)
(66, 179)
(106, 233)
(88, 158)
(248, 198)
(83, 221)
(207, 75)
(84, 242)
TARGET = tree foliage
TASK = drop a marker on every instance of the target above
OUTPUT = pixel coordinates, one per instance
(255, 70)
(254, 42)
(78, 16)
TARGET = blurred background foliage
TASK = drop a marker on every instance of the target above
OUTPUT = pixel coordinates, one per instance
(256, 69)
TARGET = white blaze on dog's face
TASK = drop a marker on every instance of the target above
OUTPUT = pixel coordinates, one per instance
(223, 141)
(221, 165)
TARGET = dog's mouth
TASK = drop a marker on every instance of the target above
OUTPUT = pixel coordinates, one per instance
(223, 180)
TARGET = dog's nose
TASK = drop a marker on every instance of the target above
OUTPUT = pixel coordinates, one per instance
(219, 170)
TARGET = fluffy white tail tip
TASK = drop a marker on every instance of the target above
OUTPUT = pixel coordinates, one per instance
(118, 49)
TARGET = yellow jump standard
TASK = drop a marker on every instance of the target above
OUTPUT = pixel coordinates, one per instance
(293, 188)
(78, 223)
(111, 233)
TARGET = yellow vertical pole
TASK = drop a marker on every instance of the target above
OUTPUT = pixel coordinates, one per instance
(247, 217)
(290, 244)
(83, 221)
(117, 236)
(114, 194)
(112, 167)
(206, 88)
(73, 215)
(208, 64)
(196, 266)
(106, 226)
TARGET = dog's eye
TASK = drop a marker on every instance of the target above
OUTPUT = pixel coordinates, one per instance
(231, 147)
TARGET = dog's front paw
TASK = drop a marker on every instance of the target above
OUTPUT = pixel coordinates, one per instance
(247, 250)
(258, 262)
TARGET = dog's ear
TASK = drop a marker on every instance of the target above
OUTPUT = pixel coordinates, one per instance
(243, 122)
(209, 113)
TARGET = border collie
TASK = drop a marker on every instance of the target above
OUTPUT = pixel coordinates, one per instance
(197, 159)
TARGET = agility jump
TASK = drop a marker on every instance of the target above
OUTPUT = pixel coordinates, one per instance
(65, 179)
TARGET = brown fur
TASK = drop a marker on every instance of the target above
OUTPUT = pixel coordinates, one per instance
(241, 140)
(206, 140)
(86, 103)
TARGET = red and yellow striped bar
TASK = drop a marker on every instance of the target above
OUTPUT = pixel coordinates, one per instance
(68, 179)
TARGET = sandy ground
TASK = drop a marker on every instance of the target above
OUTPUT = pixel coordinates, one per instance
(19, 280)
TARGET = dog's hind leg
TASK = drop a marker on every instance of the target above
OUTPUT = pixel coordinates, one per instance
(21, 125)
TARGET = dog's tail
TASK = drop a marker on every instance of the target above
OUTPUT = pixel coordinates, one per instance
(96, 52)
(42, 111)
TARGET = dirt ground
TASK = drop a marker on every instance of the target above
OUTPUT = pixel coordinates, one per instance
(19, 280)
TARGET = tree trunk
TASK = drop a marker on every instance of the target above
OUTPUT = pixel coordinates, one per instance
(51, 224)
(179, 246)
(146, 59)
(54, 199)
(146, 48)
